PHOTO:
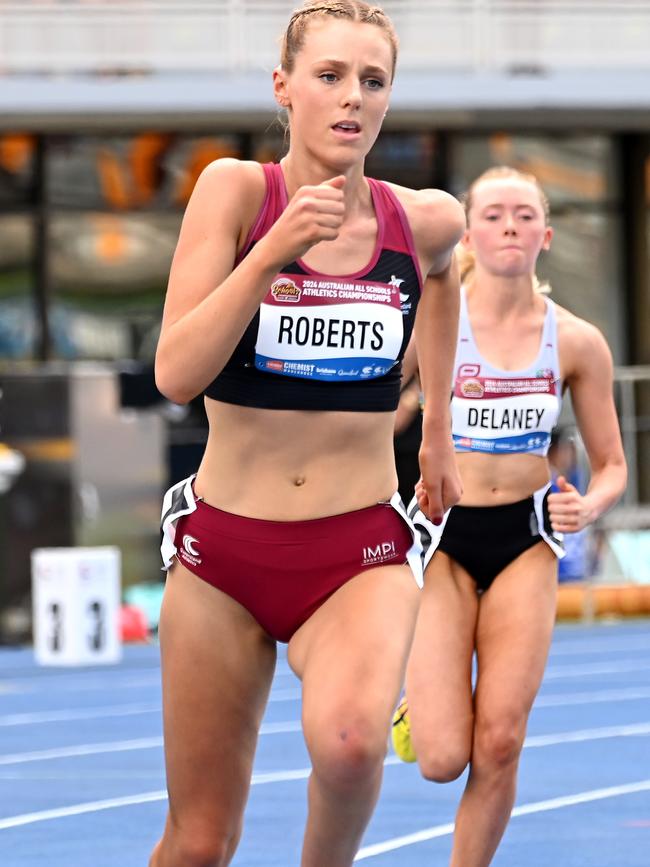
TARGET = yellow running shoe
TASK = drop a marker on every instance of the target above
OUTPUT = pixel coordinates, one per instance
(401, 733)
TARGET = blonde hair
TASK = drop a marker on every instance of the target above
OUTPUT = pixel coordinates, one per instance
(351, 10)
(466, 258)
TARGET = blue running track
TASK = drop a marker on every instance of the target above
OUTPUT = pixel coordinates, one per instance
(82, 779)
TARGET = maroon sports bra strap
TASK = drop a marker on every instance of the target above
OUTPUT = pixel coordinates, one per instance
(272, 207)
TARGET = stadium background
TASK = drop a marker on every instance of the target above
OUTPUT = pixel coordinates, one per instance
(109, 109)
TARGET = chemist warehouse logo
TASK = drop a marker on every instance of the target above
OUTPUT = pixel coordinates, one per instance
(374, 555)
(286, 291)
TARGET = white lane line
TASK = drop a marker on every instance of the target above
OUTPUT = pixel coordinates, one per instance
(614, 645)
(258, 779)
(50, 716)
(86, 679)
(126, 774)
(130, 800)
(17, 719)
(81, 750)
(79, 809)
(523, 810)
(281, 728)
(574, 737)
(589, 668)
(596, 697)
(67, 684)
(123, 710)
(291, 694)
(289, 726)
(122, 746)
(72, 675)
(54, 685)
(282, 669)
(99, 684)
(303, 774)
(5, 689)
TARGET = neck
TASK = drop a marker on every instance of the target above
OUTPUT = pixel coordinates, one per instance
(502, 296)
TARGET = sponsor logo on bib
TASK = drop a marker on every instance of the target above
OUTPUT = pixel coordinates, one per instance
(472, 388)
(286, 291)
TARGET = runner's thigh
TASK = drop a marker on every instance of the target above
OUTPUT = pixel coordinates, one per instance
(351, 653)
(515, 627)
(217, 667)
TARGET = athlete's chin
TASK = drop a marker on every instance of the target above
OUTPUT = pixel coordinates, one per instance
(512, 272)
(341, 159)
(348, 150)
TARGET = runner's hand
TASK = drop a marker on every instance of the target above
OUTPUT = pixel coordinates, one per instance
(568, 509)
(314, 214)
(439, 487)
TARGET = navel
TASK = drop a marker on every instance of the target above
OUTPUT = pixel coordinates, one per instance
(299, 481)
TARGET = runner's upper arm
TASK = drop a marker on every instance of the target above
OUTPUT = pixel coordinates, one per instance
(210, 231)
(590, 382)
(442, 226)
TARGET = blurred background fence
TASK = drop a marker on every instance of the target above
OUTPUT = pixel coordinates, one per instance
(173, 35)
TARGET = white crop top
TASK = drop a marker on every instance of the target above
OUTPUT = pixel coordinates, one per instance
(505, 411)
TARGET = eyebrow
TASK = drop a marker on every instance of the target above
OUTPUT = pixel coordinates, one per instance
(501, 205)
(341, 64)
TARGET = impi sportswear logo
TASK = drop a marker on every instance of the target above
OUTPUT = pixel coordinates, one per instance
(374, 555)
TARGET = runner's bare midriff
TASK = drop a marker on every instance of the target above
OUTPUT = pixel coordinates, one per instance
(490, 480)
(291, 465)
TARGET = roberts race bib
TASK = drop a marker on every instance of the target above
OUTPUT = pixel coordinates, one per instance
(329, 329)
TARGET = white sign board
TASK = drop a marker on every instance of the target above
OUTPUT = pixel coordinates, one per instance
(76, 605)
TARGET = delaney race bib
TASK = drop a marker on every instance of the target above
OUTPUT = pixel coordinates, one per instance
(329, 329)
(504, 415)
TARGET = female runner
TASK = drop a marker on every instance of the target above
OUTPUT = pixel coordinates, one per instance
(490, 587)
(292, 295)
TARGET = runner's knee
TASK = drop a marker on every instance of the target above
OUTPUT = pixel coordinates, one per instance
(498, 742)
(201, 845)
(445, 763)
(347, 753)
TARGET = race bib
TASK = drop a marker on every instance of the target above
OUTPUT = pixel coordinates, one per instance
(504, 415)
(329, 329)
